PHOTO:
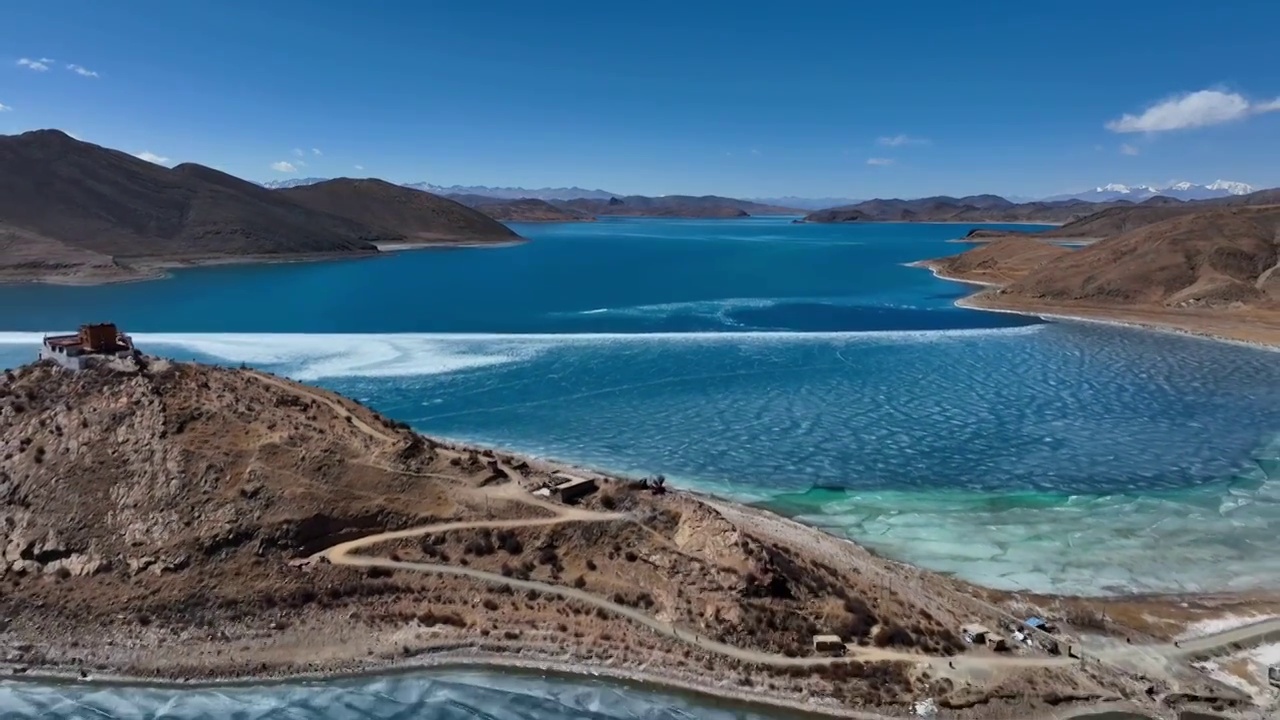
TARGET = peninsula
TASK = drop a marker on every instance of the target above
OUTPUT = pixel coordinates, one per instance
(179, 521)
(74, 212)
(1215, 271)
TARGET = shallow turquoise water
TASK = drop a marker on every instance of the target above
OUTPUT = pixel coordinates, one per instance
(803, 367)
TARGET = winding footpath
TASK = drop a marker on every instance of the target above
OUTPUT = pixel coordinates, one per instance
(345, 554)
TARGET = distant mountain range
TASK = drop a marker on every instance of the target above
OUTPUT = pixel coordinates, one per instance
(1104, 193)
(1111, 215)
(806, 203)
(1177, 191)
(514, 193)
(501, 193)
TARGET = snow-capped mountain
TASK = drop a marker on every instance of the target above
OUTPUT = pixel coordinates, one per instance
(506, 193)
(514, 193)
(1177, 190)
(292, 182)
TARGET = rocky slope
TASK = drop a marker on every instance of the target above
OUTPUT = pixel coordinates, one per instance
(412, 214)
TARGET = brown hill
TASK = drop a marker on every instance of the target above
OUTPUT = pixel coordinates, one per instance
(413, 214)
(686, 206)
(1212, 258)
(1000, 262)
(1215, 272)
(178, 520)
(68, 198)
(523, 210)
(1112, 219)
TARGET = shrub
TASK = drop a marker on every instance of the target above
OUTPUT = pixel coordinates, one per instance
(895, 635)
(591, 564)
(511, 544)
(631, 556)
(579, 582)
(490, 604)
(608, 501)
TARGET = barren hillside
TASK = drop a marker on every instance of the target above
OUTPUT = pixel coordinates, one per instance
(95, 200)
(1215, 272)
(414, 214)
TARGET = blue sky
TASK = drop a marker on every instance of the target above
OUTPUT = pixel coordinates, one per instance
(846, 99)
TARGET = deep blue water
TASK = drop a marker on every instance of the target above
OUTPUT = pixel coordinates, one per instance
(800, 366)
(633, 276)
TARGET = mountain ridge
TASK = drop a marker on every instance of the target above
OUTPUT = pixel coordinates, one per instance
(75, 212)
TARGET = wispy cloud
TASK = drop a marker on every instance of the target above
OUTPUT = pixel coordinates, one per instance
(284, 167)
(299, 152)
(755, 151)
(40, 65)
(359, 167)
(152, 157)
(316, 151)
(82, 70)
(1192, 110)
(901, 140)
(880, 161)
(1127, 149)
(5, 108)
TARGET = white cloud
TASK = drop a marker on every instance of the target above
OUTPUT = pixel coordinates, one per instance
(316, 151)
(299, 153)
(359, 167)
(1192, 110)
(152, 157)
(81, 70)
(754, 151)
(4, 108)
(1127, 149)
(900, 140)
(283, 167)
(880, 161)
(38, 65)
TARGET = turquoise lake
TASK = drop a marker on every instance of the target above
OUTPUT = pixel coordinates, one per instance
(801, 367)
